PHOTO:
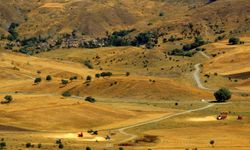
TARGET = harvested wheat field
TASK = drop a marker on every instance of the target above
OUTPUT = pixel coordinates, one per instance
(125, 75)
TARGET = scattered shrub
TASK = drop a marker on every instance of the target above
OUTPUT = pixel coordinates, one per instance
(97, 75)
(106, 74)
(66, 94)
(212, 142)
(28, 145)
(73, 78)
(60, 146)
(88, 78)
(88, 148)
(13, 35)
(90, 99)
(49, 78)
(161, 14)
(64, 82)
(7, 99)
(88, 64)
(180, 52)
(37, 80)
(3, 144)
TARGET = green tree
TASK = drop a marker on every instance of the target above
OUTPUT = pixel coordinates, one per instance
(60, 146)
(73, 78)
(222, 95)
(88, 64)
(28, 145)
(13, 35)
(90, 99)
(88, 148)
(234, 41)
(37, 80)
(97, 75)
(212, 142)
(48, 78)
(64, 82)
(89, 78)
(66, 94)
(2, 145)
(7, 99)
(106, 74)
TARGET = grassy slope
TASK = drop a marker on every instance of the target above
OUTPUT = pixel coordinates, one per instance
(229, 60)
(94, 18)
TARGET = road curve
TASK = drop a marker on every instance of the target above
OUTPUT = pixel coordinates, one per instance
(204, 54)
(196, 76)
(197, 79)
(133, 136)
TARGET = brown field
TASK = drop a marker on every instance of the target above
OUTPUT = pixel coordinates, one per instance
(152, 101)
(39, 114)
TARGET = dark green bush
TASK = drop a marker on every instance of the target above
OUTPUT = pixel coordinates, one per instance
(88, 64)
(106, 74)
(60, 146)
(88, 78)
(49, 78)
(222, 95)
(66, 94)
(64, 82)
(88, 148)
(97, 75)
(28, 145)
(234, 41)
(73, 78)
(37, 80)
(90, 99)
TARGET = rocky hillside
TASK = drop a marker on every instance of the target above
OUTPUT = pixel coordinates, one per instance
(95, 18)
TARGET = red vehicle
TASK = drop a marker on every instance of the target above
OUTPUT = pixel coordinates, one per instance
(239, 118)
(222, 116)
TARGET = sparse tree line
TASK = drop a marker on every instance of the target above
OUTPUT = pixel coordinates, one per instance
(39, 44)
(65, 82)
(189, 49)
(149, 39)
(58, 142)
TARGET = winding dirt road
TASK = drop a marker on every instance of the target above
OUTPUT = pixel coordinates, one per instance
(196, 76)
(131, 136)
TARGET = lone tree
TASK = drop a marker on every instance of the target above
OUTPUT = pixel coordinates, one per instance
(66, 94)
(222, 95)
(73, 78)
(88, 148)
(37, 80)
(64, 82)
(97, 75)
(89, 78)
(90, 99)
(48, 78)
(212, 142)
(7, 99)
(234, 41)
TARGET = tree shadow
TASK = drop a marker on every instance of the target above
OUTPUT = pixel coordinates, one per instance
(217, 102)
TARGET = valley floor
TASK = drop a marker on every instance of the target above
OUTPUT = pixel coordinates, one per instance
(140, 111)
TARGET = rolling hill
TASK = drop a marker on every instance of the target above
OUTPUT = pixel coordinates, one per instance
(124, 74)
(95, 18)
